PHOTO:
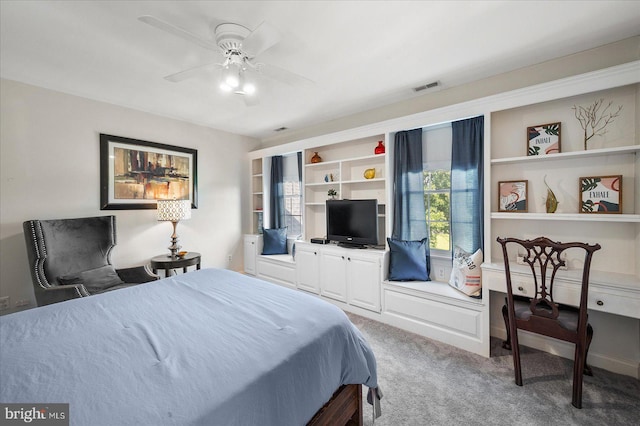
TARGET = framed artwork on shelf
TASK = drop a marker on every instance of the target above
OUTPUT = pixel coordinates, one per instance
(601, 194)
(543, 139)
(513, 196)
(134, 174)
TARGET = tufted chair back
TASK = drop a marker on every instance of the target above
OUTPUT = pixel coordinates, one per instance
(62, 246)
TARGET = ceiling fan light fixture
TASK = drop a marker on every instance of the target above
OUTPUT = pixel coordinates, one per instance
(230, 76)
(249, 88)
(245, 85)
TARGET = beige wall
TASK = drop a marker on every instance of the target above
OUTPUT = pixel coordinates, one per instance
(590, 60)
(49, 153)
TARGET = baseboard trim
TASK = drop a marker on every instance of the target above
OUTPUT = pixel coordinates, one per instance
(564, 349)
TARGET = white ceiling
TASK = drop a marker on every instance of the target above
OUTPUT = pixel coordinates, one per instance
(360, 54)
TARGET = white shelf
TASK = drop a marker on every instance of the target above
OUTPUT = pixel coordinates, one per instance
(347, 160)
(568, 155)
(364, 180)
(335, 182)
(324, 163)
(584, 217)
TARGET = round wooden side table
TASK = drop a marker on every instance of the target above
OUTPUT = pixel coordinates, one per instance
(164, 261)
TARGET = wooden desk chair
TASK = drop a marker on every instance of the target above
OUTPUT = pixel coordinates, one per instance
(540, 314)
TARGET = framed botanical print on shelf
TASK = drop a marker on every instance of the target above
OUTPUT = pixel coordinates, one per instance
(513, 196)
(601, 194)
(543, 139)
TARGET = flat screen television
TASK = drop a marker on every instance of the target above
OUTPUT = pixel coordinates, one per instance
(353, 223)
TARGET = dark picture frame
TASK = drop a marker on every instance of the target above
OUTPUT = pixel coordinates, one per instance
(135, 173)
(544, 139)
(600, 194)
(513, 196)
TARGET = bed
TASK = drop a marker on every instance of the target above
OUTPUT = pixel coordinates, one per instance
(210, 347)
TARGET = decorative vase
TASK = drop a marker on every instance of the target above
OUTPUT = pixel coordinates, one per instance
(552, 202)
(379, 149)
(370, 173)
(316, 158)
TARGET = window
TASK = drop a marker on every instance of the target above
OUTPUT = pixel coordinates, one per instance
(292, 195)
(436, 152)
(437, 202)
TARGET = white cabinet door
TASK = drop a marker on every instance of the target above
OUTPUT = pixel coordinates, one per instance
(333, 270)
(250, 253)
(364, 281)
(307, 268)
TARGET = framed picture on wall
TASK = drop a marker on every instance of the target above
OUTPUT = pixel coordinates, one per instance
(135, 173)
(601, 194)
(543, 139)
(513, 196)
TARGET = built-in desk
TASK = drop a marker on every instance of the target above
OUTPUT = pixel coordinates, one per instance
(614, 313)
(617, 294)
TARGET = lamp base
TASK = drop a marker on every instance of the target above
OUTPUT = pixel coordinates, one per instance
(174, 247)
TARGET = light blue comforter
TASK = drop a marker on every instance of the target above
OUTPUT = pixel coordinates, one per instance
(211, 347)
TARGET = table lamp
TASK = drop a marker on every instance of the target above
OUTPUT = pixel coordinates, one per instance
(173, 211)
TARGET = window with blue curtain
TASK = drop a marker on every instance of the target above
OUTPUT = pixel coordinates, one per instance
(276, 193)
(408, 188)
(292, 193)
(467, 175)
(438, 185)
(285, 196)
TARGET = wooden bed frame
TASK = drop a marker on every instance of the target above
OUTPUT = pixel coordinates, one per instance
(343, 409)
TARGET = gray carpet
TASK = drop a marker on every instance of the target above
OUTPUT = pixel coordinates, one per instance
(430, 383)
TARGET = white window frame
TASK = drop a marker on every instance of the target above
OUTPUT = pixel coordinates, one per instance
(292, 192)
(436, 155)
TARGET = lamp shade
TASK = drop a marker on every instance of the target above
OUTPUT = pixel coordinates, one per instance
(174, 210)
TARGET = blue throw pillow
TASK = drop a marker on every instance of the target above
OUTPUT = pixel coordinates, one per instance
(408, 260)
(274, 241)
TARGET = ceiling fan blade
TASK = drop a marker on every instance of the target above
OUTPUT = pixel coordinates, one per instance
(177, 31)
(260, 39)
(284, 76)
(191, 72)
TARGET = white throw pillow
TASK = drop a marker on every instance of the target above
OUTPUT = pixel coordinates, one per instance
(466, 274)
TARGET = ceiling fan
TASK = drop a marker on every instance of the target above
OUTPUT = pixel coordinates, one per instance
(237, 48)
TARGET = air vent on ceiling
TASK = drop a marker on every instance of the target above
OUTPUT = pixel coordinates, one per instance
(426, 86)
(279, 129)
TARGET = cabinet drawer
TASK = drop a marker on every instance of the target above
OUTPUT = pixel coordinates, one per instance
(604, 301)
(522, 287)
(496, 281)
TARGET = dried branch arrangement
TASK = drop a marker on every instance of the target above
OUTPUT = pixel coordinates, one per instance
(594, 121)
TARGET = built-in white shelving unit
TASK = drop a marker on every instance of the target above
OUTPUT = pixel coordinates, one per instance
(257, 196)
(342, 169)
(614, 298)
